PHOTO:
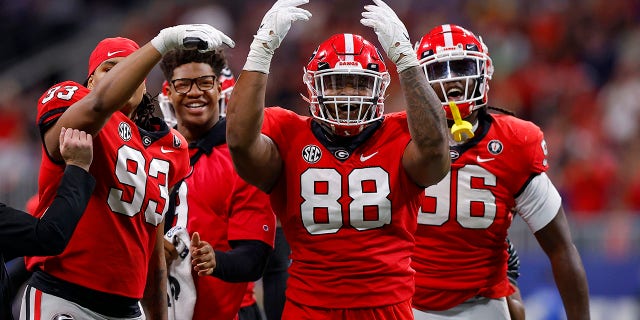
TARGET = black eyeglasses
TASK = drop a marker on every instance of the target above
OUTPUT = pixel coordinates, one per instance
(203, 83)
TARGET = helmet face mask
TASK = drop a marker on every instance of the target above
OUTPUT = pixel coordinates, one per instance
(458, 67)
(346, 79)
(227, 82)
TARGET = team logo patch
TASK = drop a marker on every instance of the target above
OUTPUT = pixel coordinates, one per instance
(545, 151)
(311, 153)
(454, 154)
(124, 130)
(174, 286)
(176, 141)
(495, 147)
(146, 140)
(341, 154)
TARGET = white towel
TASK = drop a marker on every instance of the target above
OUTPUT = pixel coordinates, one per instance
(180, 287)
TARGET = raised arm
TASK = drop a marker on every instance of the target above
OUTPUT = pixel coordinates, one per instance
(568, 271)
(426, 157)
(255, 156)
(113, 91)
(25, 235)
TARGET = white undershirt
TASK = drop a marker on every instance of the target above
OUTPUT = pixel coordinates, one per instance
(539, 202)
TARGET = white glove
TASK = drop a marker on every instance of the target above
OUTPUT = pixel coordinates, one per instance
(190, 36)
(273, 28)
(392, 34)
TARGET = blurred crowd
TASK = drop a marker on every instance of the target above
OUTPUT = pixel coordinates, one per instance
(570, 66)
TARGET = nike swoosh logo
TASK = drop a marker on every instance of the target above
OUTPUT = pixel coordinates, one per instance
(364, 158)
(109, 54)
(163, 150)
(481, 160)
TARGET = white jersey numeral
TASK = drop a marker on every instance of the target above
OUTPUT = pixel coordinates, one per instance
(67, 94)
(468, 192)
(130, 171)
(321, 190)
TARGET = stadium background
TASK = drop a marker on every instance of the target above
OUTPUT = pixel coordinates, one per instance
(570, 66)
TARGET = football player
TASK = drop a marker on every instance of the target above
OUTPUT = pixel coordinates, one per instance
(115, 256)
(344, 182)
(498, 165)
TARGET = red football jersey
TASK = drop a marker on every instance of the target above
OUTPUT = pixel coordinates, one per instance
(111, 246)
(249, 296)
(349, 214)
(463, 222)
(222, 207)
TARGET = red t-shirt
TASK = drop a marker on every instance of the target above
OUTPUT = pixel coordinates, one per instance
(221, 207)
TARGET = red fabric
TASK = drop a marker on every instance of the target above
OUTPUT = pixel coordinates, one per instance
(249, 297)
(129, 201)
(110, 48)
(461, 248)
(399, 311)
(222, 207)
(349, 223)
(32, 204)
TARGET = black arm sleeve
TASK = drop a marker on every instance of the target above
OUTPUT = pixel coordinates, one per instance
(513, 264)
(245, 262)
(24, 235)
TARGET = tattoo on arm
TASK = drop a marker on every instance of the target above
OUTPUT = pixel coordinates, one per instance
(425, 115)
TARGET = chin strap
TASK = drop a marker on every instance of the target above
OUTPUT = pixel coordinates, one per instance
(461, 129)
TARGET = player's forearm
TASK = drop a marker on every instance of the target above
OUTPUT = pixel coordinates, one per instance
(425, 115)
(56, 227)
(121, 82)
(571, 281)
(427, 124)
(246, 110)
(254, 156)
(245, 262)
(154, 301)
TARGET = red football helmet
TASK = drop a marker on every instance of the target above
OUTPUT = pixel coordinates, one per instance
(456, 62)
(346, 79)
(227, 81)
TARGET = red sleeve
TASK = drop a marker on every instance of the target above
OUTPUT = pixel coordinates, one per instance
(252, 217)
(540, 152)
(275, 120)
(536, 148)
(528, 140)
(56, 100)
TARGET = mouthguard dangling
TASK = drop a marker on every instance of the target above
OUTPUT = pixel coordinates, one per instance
(461, 130)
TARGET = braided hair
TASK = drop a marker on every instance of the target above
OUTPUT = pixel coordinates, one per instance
(144, 111)
(505, 111)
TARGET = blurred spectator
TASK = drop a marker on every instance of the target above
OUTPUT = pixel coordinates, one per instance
(570, 66)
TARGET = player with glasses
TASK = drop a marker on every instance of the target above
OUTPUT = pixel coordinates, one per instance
(184, 85)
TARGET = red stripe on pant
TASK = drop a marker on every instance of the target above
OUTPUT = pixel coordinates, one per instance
(37, 306)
